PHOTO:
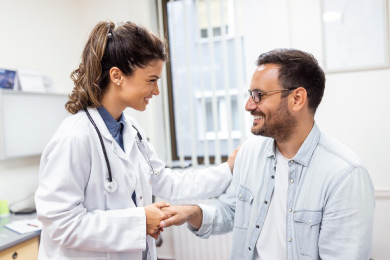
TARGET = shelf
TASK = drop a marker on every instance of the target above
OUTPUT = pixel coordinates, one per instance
(28, 120)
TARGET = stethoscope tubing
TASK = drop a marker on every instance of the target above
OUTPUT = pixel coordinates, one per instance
(101, 142)
(110, 179)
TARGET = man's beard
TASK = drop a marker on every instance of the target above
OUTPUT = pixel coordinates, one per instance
(279, 124)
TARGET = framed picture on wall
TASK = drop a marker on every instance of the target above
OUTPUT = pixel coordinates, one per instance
(7, 79)
(355, 35)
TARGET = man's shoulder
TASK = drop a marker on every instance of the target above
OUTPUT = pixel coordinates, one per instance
(333, 148)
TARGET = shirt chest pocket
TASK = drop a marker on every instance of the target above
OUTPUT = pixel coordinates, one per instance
(244, 199)
(307, 227)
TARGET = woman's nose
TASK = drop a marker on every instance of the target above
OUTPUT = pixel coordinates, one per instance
(156, 90)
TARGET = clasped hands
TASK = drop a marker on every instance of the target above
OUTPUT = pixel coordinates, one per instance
(161, 215)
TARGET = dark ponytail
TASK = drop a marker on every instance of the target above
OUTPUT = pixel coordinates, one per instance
(126, 47)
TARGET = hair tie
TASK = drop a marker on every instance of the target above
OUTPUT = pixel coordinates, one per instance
(109, 33)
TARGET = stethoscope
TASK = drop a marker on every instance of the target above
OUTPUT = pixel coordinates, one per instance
(110, 184)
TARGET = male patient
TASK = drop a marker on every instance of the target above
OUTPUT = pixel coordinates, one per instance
(296, 193)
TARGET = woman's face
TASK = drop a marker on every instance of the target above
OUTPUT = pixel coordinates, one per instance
(136, 90)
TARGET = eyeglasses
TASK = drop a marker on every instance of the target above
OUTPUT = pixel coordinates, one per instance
(257, 94)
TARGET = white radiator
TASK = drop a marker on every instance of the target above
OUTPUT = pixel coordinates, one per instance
(187, 246)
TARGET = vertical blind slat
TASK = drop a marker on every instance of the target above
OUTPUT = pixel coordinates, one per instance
(167, 133)
(213, 85)
(239, 66)
(203, 101)
(177, 118)
(226, 81)
(194, 156)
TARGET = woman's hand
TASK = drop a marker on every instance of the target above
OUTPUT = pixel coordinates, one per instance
(232, 158)
(154, 216)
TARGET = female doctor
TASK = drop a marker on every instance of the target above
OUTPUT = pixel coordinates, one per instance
(98, 173)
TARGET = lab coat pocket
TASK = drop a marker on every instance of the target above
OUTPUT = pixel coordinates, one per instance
(72, 254)
(244, 200)
(307, 226)
(86, 258)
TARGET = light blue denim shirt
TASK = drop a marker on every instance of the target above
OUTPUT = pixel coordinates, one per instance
(330, 201)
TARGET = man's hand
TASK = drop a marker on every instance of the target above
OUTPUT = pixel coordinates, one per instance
(232, 158)
(178, 215)
(154, 216)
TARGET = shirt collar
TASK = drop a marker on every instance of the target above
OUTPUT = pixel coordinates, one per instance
(305, 151)
(113, 126)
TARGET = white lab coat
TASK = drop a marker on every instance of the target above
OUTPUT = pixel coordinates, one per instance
(80, 219)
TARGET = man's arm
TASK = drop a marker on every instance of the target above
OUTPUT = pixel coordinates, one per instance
(178, 215)
(347, 224)
(216, 217)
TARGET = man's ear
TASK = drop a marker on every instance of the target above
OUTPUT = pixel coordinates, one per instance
(299, 99)
(116, 76)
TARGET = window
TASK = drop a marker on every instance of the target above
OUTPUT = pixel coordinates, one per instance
(206, 78)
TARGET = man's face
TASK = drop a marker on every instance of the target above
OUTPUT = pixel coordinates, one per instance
(271, 116)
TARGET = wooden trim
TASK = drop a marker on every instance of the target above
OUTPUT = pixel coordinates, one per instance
(169, 84)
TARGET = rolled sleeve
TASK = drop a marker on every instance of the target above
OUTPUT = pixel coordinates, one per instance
(207, 222)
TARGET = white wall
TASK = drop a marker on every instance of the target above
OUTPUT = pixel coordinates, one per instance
(355, 107)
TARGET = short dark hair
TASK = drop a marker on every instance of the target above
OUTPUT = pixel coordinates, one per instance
(297, 69)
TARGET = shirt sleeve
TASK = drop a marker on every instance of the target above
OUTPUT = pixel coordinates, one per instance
(64, 175)
(347, 223)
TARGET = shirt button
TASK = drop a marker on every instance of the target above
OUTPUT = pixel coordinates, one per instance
(240, 195)
(272, 176)
(140, 197)
(257, 226)
(289, 240)
(291, 180)
(289, 210)
(249, 248)
(292, 161)
(265, 202)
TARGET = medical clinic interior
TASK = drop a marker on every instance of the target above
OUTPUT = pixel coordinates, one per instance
(192, 134)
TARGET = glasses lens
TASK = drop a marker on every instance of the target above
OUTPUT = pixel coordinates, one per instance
(256, 96)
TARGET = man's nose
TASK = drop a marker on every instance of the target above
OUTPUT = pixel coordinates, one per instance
(250, 104)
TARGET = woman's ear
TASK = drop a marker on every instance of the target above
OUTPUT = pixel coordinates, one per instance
(299, 99)
(116, 76)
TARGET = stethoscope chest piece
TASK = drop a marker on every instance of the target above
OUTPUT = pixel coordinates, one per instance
(110, 187)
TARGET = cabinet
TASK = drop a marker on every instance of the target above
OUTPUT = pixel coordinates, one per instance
(28, 121)
(27, 250)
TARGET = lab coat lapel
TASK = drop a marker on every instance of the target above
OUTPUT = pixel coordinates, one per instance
(100, 124)
(129, 134)
(107, 135)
